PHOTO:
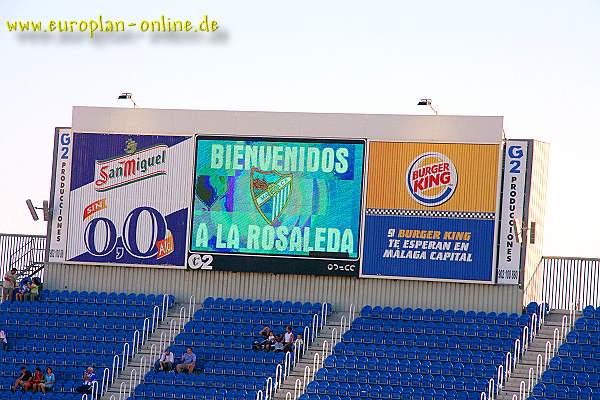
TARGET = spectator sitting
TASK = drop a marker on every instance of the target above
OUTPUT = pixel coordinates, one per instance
(265, 338)
(34, 291)
(278, 346)
(9, 285)
(298, 343)
(22, 379)
(271, 340)
(288, 339)
(88, 380)
(49, 380)
(188, 361)
(3, 340)
(34, 384)
(165, 362)
(23, 289)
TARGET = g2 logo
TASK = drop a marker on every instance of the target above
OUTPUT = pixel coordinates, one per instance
(101, 238)
(515, 154)
(199, 261)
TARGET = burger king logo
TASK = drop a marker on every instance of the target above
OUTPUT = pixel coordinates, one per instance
(431, 179)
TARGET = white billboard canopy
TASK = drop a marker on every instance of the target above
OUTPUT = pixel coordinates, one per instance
(417, 128)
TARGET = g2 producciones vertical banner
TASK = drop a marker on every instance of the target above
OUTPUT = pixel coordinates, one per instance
(277, 205)
(431, 211)
(513, 202)
(129, 199)
(59, 195)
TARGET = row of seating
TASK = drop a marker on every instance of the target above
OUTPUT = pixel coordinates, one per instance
(579, 351)
(66, 296)
(579, 337)
(11, 361)
(417, 367)
(422, 340)
(568, 364)
(246, 330)
(145, 392)
(62, 373)
(449, 328)
(268, 306)
(403, 379)
(67, 346)
(591, 312)
(417, 394)
(215, 341)
(84, 334)
(552, 391)
(418, 314)
(99, 310)
(230, 355)
(73, 322)
(39, 396)
(61, 386)
(587, 324)
(571, 378)
(249, 317)
(239, 369)
(204, 380)
(415, 353)
(379, 392)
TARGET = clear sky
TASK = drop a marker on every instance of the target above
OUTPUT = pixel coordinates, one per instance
(537, 63)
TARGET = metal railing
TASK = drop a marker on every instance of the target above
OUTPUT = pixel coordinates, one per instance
(22, 252)
(570, 280)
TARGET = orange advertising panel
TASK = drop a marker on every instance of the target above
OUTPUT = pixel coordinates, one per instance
(449, 177)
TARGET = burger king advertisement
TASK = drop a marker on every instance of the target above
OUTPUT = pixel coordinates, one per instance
(431, 211)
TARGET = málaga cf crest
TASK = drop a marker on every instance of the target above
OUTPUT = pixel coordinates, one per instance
(270, 191)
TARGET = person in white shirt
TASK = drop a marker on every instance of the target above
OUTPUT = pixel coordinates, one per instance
(3, 341)
(165, 362)
(288, 339)
(299, 343)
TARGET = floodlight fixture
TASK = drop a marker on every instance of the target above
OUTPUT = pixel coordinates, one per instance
(427, 102)
(127, 96)
(32, 210)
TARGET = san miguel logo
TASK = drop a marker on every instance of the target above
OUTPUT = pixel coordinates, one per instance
(134, 166)
(270, 191)
(431, 179)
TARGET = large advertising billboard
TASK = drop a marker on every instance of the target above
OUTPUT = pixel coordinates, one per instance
(277, 205)
(129, 199)
(431, 211)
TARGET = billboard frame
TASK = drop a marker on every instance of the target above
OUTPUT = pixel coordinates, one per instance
(274, 258)
(494, 265)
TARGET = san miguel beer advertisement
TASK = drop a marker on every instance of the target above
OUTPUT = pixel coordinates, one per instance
(129, 199)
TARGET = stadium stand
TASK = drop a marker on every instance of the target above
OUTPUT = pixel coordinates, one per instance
(395, 353)
(70, 331)
(221, 335)
(574, 373)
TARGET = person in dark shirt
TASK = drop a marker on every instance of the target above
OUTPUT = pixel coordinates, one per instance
(25, 377)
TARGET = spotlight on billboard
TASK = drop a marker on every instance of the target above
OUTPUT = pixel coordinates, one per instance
(32, 210)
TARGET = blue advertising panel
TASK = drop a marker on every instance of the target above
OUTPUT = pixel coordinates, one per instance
(436, 248)
(261, 201)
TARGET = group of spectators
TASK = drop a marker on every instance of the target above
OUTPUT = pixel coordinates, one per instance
(27, 289)
(285, 341)
(166, 362)
(44, 382)
(38, 381)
